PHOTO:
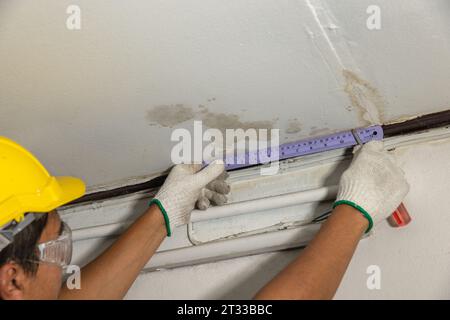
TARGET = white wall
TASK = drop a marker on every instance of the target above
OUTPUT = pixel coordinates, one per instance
(98, 102)
(414, 261)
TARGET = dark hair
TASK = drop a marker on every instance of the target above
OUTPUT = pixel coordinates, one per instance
(23, 249)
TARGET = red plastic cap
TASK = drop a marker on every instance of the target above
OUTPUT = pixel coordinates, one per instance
(400, 217)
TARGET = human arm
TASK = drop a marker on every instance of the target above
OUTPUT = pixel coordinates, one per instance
(369, 191)
(319, 269)
(112, 273)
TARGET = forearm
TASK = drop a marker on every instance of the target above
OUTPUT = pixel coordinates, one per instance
(318, 271)
(111, 274)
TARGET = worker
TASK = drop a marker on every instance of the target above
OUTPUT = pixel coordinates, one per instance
(36, 245)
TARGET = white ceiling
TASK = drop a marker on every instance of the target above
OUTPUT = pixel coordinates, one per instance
(101, 102)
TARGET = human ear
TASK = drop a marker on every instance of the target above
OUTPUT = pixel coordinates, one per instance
(12, 281)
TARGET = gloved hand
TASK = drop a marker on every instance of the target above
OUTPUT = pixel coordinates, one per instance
(372, 184)
(214, 192)
(180, 191)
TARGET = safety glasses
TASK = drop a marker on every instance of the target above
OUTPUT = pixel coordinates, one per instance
(58, 251)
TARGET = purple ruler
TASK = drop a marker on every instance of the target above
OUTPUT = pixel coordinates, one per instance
(338, 140)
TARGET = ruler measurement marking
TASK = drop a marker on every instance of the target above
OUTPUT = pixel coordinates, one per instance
(305, 147)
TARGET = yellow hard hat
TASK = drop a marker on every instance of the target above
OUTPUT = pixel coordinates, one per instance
(26, 186)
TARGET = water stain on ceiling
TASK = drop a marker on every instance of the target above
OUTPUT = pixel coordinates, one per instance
(365, 98)
(314, 132)
(294, 126)
(169, 115)
(172, 115)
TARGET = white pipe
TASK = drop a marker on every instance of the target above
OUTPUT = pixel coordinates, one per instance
(229, 210)
(285, 200)
(232, 248)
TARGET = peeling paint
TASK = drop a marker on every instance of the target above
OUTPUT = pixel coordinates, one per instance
(402, 119)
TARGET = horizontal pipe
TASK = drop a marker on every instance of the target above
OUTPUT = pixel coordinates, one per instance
(269, 203)
(232, 248)
(282, 201)
(425, 122)
(154, 183)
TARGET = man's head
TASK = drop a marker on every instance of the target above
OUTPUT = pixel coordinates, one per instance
(26, 188)
(22, 275)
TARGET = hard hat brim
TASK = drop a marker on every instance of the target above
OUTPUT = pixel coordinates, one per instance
(58, 192)
(71, 189)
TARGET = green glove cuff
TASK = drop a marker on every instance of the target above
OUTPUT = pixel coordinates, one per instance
(354, 205)
(163, 211)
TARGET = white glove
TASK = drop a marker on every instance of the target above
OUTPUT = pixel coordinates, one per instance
(180, 191)
(214, 192)
(373, 184)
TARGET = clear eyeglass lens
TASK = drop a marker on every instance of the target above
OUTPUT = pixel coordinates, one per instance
(58, 251)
